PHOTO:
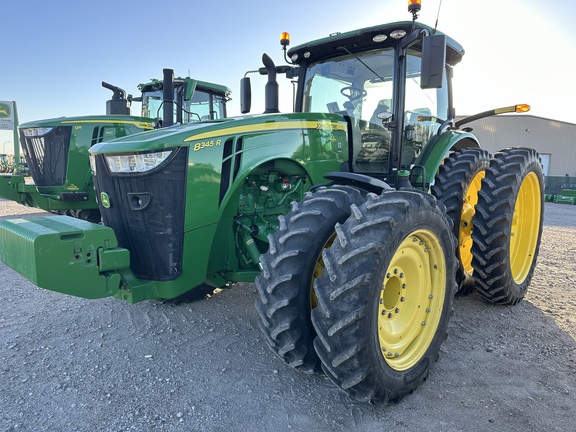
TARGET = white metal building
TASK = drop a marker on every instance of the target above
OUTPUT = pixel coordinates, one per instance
(554, 140)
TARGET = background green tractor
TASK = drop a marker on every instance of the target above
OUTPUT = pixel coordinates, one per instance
(327, 208)
(56, 150)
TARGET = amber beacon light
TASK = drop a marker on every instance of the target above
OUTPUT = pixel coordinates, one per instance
(414, 6)
(285, 39)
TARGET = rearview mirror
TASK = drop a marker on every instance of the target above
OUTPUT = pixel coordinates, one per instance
(245, 95)
(190, 88)
(433, 61)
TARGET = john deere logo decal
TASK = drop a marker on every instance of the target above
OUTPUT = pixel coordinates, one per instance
(104, 200)
(5, 110)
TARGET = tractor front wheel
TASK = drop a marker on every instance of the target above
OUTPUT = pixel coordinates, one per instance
(508, 225)
(289, 268)
(386, 294)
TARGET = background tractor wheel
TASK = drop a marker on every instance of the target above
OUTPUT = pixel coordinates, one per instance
(508, 225)
(456, 185)
(293, 261)
(386, 294)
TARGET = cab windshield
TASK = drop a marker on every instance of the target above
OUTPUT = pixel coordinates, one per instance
(361, 86)
(202, 106)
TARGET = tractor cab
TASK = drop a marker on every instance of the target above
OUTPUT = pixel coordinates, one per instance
(388, 84)
(193, 100)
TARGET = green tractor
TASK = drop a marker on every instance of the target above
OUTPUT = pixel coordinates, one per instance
(56, 150)
(327, 208)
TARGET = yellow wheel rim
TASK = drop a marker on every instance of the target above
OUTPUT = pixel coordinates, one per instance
(465, 229)
(525, 227)
(318, 270)
(411, 300)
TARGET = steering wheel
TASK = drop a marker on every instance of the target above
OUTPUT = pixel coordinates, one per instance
(382, 136)
(353, 93)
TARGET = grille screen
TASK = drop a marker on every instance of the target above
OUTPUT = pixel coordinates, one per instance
(147, 214)
(47, 155)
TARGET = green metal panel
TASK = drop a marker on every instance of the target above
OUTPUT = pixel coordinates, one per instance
(439, 147)
(61, 254)
(307, 145)
(9, 187)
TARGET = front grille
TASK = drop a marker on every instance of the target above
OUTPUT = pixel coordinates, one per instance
(147, 214)
(47, 155)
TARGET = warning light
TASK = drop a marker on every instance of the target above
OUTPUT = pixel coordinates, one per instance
(414, 6)
(285, 39)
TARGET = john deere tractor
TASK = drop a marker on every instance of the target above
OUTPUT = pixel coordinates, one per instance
(328, 208)
(56, 150)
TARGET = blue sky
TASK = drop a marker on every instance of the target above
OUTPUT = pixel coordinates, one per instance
(55, 53)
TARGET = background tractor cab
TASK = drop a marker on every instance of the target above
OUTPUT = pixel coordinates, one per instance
(173, 100)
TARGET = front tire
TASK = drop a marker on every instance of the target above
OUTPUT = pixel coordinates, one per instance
(293, 261)
(457, 185)
(508, 225)
(386, 295)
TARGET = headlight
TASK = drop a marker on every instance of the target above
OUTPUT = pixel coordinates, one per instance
(36, 132)
(136, 163)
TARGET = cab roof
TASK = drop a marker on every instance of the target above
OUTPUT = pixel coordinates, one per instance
(362, 40)
(206, 86)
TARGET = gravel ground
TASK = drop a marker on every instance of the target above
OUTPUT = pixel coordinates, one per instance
(72, 364)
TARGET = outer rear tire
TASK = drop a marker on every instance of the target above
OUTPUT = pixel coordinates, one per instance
(386, 295)
(289, 268)
(456, 185)
(508, 225)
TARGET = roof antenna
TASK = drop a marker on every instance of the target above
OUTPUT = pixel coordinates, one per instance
(437, 16)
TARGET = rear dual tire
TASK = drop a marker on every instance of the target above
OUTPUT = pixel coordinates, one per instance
(508, 225)
(456, 185)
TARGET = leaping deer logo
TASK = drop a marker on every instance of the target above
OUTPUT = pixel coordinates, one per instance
(4, 110)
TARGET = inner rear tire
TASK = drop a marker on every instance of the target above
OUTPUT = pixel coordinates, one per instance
(456, 185)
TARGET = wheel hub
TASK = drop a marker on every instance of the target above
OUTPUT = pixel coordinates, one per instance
(411, 300)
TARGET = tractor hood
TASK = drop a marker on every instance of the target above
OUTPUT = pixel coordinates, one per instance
(142, 122)
(203, 133)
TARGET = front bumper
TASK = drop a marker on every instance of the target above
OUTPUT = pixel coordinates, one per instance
(64, 254)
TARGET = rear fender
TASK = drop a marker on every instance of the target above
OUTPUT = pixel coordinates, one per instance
(436, 151)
